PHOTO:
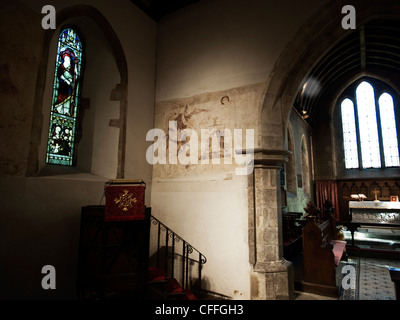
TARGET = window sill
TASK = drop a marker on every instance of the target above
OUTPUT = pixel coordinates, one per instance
(68, 173)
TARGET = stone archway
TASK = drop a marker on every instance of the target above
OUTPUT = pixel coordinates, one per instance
(309, 44)
(272, 275)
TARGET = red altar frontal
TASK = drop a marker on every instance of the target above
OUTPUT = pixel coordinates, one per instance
(125, 200)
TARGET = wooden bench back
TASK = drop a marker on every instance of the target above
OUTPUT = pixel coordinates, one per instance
(318, 257)
(317, 234)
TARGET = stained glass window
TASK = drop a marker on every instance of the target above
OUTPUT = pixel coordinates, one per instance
(374, 123)
(65, 100)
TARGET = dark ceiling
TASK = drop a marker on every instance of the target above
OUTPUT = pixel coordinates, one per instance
(373, 48)
(156, 9)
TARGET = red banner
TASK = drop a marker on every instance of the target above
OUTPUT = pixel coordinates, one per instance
(125, 202)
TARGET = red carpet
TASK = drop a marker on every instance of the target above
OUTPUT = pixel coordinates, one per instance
(171, 286)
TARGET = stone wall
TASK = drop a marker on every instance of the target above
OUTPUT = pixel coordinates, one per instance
(297, 196)
(19, 64)
(41, 205)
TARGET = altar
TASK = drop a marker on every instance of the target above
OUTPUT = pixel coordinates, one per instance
(374, 214)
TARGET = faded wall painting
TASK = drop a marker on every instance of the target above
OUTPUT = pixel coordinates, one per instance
(215, 124)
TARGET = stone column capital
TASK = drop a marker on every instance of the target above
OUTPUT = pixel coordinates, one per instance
(270, 158)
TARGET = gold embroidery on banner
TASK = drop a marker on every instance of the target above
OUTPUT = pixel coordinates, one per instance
(125, 200)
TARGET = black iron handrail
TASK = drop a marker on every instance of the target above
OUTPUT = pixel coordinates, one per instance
(188, 253)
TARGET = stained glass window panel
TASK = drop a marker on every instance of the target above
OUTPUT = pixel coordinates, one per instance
(63, 115)
(389, 132)
(349, 134)
(369, 139)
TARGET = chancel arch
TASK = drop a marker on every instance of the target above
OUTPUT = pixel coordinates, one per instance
(293, 69)
(310, 45)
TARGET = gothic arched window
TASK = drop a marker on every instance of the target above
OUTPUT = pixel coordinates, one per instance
(291, 164)
(369, 127)
(305, 164)
(65, 99)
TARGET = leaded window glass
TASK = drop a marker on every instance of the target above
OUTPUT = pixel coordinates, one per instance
(65, 100)
(369, 128)
(349, 134)
(389, 133)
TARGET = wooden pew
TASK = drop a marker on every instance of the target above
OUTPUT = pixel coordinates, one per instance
(292, 233)
(321, 256)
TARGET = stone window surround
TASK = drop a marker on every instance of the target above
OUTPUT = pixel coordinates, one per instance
(118, 94)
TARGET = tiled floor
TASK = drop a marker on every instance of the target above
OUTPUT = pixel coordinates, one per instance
(372, 279)
(375, 282)
(381, 246)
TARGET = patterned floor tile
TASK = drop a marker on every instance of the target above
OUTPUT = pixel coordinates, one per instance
(373, 279)
(375, 282)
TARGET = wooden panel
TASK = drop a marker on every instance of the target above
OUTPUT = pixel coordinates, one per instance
(113, 256)
(319, 258)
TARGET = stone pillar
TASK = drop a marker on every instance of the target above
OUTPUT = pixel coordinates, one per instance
(272, 276)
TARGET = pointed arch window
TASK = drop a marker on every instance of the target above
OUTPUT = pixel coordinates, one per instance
(349, 134)
(65, 99)
(389, 133)
(305, 167)
(291, 164)
(369, 128)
